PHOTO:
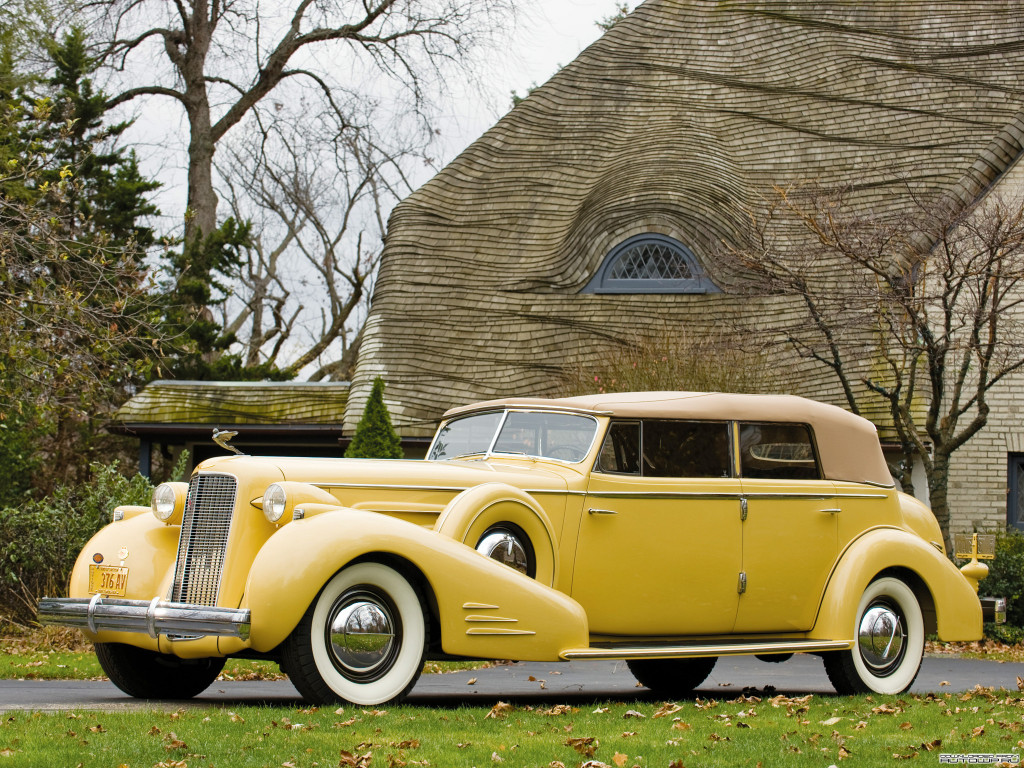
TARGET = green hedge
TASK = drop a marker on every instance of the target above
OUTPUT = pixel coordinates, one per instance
(40, 540)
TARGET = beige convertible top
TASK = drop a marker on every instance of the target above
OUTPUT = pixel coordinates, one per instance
(847, 444)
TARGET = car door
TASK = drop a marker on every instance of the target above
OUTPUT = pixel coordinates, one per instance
(790, 531)
(659, 547)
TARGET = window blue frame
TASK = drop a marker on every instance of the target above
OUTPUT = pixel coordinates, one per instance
(650, 264)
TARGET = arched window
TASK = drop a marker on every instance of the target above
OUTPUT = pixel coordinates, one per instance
(650, 264)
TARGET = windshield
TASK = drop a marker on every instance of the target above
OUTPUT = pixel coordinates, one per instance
(561, 436)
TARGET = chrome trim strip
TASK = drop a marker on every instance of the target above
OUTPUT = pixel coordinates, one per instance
(498, 631)
(721, 649)
(448, 489)
(491, 618)
(662, 495)
(145, 617)
(480, 607)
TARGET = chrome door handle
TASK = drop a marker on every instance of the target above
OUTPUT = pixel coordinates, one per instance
(834, 511)
(593, 511)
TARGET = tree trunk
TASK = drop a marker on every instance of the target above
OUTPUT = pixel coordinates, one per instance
(938, 486)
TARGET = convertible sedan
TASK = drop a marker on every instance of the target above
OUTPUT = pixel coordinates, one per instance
(665, 529)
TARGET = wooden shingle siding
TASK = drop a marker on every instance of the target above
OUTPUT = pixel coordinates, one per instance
(677, 122)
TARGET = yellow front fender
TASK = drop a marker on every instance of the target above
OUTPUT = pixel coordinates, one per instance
(486, 609)
(957, 610)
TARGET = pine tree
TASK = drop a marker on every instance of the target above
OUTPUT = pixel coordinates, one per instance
(375, 438)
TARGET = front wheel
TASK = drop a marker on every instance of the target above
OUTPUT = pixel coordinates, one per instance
(151, 675)
(889, 642)
(672, 677)
(362, 640)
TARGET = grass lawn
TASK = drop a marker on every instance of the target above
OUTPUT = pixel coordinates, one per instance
(746, 731)
(56, 653)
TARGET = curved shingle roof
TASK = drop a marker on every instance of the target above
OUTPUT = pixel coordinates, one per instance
(676, 122)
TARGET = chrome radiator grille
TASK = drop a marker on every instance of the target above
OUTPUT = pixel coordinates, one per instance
(204, 539)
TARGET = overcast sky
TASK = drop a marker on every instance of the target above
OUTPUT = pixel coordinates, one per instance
(548, 34)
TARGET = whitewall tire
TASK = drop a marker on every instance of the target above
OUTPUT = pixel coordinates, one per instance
(889, 642)
(362, 640)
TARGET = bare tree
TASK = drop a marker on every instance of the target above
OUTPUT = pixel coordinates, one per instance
(918, 310)
(224, 57)
(318, 201)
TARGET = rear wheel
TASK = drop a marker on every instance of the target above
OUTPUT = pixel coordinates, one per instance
(889, 642)
(362, 640)
(151, 675)
(672, 677)
(508, 543)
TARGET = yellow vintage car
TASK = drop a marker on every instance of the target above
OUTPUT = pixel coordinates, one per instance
(665, 529)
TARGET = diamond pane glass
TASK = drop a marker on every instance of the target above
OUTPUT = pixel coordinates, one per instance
(651, 261)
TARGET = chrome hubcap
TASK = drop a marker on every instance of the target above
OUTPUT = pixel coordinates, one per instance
(505, 548)
(362, 635)
(881, 637)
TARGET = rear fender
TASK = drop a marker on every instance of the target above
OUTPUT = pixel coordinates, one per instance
(957, 610)
(476, 509)
(485, 609)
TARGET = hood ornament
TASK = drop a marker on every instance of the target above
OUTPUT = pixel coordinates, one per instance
(222, 437)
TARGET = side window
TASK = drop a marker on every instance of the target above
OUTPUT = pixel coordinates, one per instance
(621, 450)
(778, 452)
(686, 449)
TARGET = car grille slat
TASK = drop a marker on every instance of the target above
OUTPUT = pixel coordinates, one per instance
(204, 539)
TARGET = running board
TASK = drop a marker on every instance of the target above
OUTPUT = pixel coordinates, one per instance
(705, 649)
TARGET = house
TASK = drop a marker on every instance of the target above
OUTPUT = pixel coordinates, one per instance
(594, 209)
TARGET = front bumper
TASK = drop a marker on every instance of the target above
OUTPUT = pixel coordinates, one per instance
(155, 618)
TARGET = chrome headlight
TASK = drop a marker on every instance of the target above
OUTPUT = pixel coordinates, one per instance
(169, 502)
(275, 501)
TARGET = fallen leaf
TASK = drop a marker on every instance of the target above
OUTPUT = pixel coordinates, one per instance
(601, 710)
(666, 709)
(679, 725)
(496, 758)
(620, 759)
(408, 744)
(633, 713)
(1020, 683)
(558, 709)
(979, 731)
(906, 726)
(499, 711)
(909, 756)
(349, 760)
(585, 745)
(946, 682)
(471, 681)
(556, 764)
(627, 734)
(830, 721)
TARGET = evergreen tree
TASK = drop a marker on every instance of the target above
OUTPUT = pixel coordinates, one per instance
(375, 438)
(79, 317)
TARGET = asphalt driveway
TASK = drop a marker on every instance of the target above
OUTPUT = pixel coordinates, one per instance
(525, 682)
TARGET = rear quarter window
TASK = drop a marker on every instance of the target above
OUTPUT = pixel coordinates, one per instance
(778, 452)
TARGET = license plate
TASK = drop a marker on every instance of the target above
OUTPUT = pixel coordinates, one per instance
(108, 580)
